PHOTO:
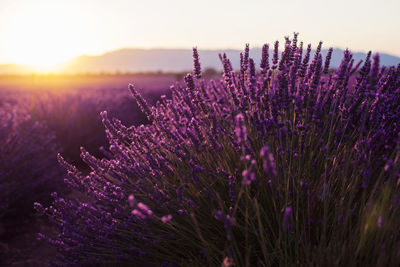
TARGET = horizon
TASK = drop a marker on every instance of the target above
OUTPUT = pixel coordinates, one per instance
(44, 34)
(158, 60)
(56, 68)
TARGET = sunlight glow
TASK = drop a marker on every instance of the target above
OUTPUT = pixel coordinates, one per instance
(44, 36)
(45, 33)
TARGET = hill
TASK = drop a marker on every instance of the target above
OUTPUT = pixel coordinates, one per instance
(166, 60)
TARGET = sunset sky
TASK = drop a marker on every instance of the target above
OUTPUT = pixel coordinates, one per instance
(43, 33)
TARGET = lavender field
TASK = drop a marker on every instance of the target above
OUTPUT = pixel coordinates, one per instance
(282, 162)
(37, 122)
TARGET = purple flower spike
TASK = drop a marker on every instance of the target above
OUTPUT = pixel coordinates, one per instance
(288, 212)
(166, 218)
(246, 58)
(139, 214)
(286, 217)
(131, 201)
(268, 163)
(264, 65)
(196, 63)
(189, 82)
(229, 222)
(275, 55)
(145, 209)
(380, 222)
(240, 129)
(38, 207)
(328, 60)
(218, 215)
(249, 175)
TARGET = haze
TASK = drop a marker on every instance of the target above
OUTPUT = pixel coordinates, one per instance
(44, 33)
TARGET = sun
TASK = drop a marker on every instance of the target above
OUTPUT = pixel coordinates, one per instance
(42, 56)
(44, 36)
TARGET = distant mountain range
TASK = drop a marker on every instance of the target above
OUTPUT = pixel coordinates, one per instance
(166, 60)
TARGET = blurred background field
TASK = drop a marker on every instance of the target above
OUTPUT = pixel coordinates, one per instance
(69, 105)
(52, 114)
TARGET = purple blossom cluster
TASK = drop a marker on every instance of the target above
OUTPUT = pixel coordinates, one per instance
(73, 116)
(254, 170)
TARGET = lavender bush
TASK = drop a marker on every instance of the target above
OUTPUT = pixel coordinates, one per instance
(287, 164)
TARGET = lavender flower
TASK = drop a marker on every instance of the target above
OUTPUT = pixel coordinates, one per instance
(275, 55)
(286, 217)
(240, 129)
(268, 163)
(166, 218)
(264, 65)
(131, 201)
(380, 222)
(328, 60)
(245, 63)
(196, 62)
(249, 175)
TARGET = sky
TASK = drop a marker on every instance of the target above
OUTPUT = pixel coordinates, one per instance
(44, 33)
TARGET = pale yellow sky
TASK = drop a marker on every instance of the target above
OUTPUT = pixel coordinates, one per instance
(47, 32)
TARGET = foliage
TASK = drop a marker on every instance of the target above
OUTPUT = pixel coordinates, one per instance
(285, 165)
(74, 117)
